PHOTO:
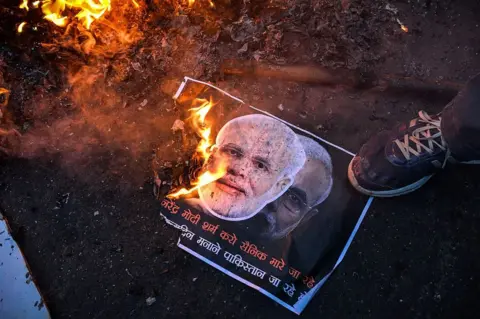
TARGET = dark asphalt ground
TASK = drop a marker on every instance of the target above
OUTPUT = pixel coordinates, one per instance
(414, 257)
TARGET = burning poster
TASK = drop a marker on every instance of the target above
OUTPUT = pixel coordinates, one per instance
(266, 202)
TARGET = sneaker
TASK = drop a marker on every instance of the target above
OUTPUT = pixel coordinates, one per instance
(401, 160)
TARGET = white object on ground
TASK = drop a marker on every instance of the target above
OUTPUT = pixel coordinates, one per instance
(150, 301)
(19, 297)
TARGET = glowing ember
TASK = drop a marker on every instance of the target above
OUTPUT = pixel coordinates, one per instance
(20, 27)
(4, 100)
(204, 148)
(88, 11)
(402, 26)
(24, 5)
(191, 2)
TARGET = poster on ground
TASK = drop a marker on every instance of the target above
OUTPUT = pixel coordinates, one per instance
(278, 214)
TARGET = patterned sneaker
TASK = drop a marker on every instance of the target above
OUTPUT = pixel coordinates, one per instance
(400, 161)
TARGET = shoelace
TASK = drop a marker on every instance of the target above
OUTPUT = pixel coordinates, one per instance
(425, 138)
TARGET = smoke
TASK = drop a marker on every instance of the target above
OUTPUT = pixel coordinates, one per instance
(102, 127)
(99, 101)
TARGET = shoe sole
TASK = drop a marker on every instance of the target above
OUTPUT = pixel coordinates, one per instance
(470, 162)
(394, 192)
(385, 194)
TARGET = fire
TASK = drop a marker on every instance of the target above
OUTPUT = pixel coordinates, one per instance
(204, 147)
(88, 11)
(198, 120)
(20, 27)
(203, 179)
(24, 5)
(210, 2)
(4, 101)
(135, 3)
(402, 26)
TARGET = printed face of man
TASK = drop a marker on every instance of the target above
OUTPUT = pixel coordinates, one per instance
(291, 207)
(312, 184)
(256, 151)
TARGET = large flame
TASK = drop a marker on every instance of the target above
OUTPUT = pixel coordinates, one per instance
(204, 148)
(87, 11)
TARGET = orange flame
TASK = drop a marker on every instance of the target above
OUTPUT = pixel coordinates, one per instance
(24, 5)
(210, 2)
(198, 120)
(6, 94)
(135, 3)
(402, 26)
(20, 27)
(203, 179)
(88, 10)
(203, 148)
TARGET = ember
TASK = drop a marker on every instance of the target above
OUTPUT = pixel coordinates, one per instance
(402, 26)
(4, 95)
(204, 148)
(210, 2)
(24, 5)
(20, 27)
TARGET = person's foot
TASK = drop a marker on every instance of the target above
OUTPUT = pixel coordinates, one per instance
(399, 161)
